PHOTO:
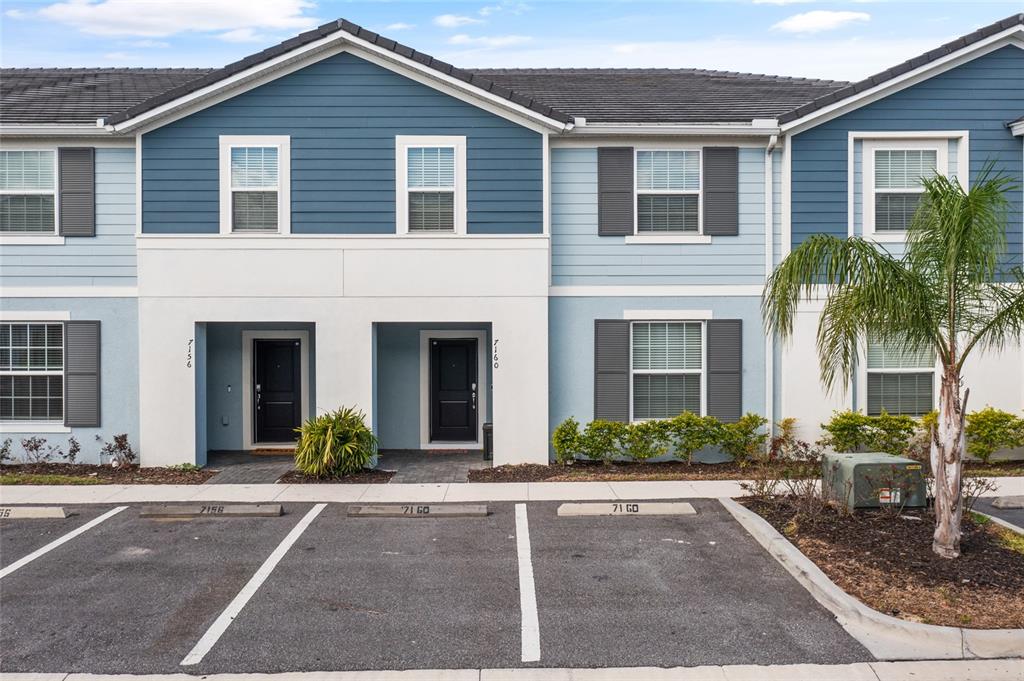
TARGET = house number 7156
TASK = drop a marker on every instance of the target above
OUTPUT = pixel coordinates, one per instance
(188, 353)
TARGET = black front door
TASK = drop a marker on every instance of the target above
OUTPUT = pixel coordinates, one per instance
(453, 389)
(277, 384)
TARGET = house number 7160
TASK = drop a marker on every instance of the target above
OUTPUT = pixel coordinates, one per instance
(494, 353)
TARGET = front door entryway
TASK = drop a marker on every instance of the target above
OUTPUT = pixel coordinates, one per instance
(454, 387)
(277, 385)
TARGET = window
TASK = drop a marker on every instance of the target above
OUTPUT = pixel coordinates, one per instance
(31, 371)
(668, 192)
(667, 368)
(431, 181)
(28, 192)
(892, 179)
(899, 381)
(255, 185)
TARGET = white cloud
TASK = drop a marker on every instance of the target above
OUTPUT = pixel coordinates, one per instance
(118, 56)
(819, 20)
(489, 41)
(15, 14)
(455, 20)
(508, 6)
(242, 35)
(399, 26)
(159, 18)
(146, 43)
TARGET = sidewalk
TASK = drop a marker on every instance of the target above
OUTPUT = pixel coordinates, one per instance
(396, 493)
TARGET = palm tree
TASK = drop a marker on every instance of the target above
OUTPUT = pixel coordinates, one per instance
(948, 292)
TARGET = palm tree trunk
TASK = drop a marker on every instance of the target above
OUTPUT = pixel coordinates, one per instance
(947, 449)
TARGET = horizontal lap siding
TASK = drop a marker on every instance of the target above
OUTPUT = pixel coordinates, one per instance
(980, 97)
(580, 257)
(342, 115)
(107, 259)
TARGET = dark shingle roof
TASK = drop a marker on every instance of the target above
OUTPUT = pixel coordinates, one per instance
(81, 95)
(662, 95)
(900, 69)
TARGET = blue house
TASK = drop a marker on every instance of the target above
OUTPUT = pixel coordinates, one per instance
(202, 259)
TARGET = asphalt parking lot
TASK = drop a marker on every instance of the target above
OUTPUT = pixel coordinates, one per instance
(1014, 516)
(139, 595)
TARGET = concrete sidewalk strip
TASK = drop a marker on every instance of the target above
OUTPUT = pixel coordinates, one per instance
(31, 512)
(216, 510)
(418, 511)
(330, 493)
(626, 508)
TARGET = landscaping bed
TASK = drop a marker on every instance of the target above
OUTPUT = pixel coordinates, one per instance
(886, 560)
(366, 476)
(91, 474)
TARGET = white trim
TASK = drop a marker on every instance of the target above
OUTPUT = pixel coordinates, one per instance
(667, 315)
(786, 228)
(862, 372)
(284, 184)
(328, 46)
(769, 266)
(1010, 36)
(402, 145)
(655, 237)
(248, 336)
(13, 427)
(871, 145)
(138, 185)
(31, 239)
(754, 290)
(695, 129)
(55, 130)
(439, 242)
(702, 372)
(70, 292)
(483, 385)
(546, 183)
(16, 316)
(649, 238)
(1017, 128)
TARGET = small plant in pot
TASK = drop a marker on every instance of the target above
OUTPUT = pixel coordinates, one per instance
(335, 444)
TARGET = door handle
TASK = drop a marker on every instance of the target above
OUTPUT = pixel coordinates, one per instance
(474, 395)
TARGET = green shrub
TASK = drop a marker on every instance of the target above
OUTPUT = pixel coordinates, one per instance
(645, 440)
(567, 441)
(891, 433)
(335, 444)
(602, 440)
(848, 431)
(184, 467)
(990, 430)
(744, 440)
(691, 433)
(851, 431)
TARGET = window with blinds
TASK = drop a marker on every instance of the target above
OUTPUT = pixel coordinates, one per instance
(898, 175)
(255, 189)
(430, 183)
(28, 192)
(667, 368)
(31, 372)
(667, 191)
(900, 380)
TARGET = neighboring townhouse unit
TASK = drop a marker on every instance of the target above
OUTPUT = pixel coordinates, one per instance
(204, 258)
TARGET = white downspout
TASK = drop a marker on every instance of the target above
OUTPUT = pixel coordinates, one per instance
(769, 264)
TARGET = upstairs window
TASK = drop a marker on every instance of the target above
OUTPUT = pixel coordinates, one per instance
(28, 192)
(668, 192)
(667, 369)
(255, 185)
(899, 381)
(430, 192)
(31, 372)
(893, 175)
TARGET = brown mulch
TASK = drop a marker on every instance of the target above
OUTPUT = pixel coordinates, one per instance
(366, 476)
(589, 471)
(887, 562)
(122, 475)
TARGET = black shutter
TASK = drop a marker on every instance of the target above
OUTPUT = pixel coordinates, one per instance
(614, 191)
(725, 368)
(721, 191)
(611, 369)
(77, 188)
(82, 374)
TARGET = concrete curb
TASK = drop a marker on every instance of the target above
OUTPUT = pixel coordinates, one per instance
(1002, 523)
(887, 638)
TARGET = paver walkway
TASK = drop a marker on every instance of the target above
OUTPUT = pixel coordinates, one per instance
(243, 468)
(417, 467)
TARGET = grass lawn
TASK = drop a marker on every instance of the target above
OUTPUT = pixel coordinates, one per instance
(46, 479)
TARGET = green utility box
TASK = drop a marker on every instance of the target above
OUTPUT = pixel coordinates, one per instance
(873, 480)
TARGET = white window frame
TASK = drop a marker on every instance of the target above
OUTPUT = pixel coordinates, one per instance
(697, 237)
(52, 425)
(862, 377)
(402, 145)
(702, 372)
(284, 210)
(37, 238)
(941, 148)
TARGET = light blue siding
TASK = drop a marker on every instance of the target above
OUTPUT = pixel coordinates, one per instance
(580, 257)
(107, 259)
(777, 206)
(571, 346)
(979, 96)
(119, 367)
(342, 115)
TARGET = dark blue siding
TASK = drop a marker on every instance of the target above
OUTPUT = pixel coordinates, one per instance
(980, 96)
(342, 115)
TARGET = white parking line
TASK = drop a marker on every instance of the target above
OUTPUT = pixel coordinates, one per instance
(527, 590)
(221, 624)
(60, 540)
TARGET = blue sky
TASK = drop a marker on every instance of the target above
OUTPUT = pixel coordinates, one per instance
(841, 40)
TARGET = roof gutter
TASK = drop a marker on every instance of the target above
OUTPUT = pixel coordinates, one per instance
(53, 130)
(1016, 127)
(759, 127)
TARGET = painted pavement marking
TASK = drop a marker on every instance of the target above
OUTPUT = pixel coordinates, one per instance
(527, 589)
(59, 541)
